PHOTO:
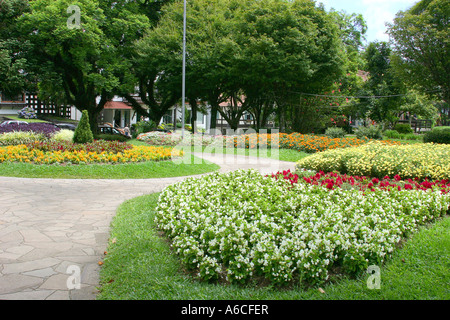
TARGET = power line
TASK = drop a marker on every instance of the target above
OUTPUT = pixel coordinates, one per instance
(356, 97)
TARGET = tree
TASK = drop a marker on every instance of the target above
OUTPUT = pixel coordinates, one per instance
(13, 60)
(83, 133)
(245, 55)
(420, 40)
(383, 92)
(90, 61)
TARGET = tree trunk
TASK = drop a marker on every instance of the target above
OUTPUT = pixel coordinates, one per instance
(214, 110)
(194, 108)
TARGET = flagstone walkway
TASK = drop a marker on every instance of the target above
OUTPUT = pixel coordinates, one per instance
(53, 230)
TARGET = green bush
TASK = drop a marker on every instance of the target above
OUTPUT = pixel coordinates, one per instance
(411, 136)
(83, 133)
(403, 128)
(392, 134)
(111, 137)
(143, 127)
(371, 132)
(63, 135)
(335, 132)
(437, 136)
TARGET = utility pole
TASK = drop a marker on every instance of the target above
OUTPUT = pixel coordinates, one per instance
(183, 98)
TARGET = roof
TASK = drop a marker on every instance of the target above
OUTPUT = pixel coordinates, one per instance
(117, 105)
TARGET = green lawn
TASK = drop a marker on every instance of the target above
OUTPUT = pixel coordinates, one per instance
(21, 119)
(288, 155)
(140, 265)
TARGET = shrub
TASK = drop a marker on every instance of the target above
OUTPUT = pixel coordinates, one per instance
(370, 132)
(143, 127)
(27, 113)
(392, 134)
(83, 133)
(20, 137)
(63, 135)
(403, 128)
(335, 132)
(437, 136)
(411, 136)
(111, 137)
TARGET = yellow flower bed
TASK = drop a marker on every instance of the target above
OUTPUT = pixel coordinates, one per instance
(21, 153)
(378, 160)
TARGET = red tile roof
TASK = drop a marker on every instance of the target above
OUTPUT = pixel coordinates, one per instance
(117, 105)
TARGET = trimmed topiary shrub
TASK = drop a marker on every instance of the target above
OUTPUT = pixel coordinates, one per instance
(403, 128)
(83, 132)
(437, 136)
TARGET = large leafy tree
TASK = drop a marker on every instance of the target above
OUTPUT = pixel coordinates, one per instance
(420, 38)
(383, 93)
(89, 64)
(246, 55)
(13, 49)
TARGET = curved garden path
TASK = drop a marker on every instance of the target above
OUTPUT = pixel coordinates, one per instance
(49, 226)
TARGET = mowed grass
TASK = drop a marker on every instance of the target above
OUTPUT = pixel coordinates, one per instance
(139, 265)
(287, 155)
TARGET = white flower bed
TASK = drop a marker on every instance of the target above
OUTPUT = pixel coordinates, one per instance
(241, 225)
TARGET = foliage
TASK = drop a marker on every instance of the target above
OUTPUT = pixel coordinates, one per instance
(370, 132)
(279, 44)
(97, 146)
(378, 160)
(241, 226)
(20, 137)
(63, 135)
(83, 133)
(143, 127)
(403, 128)
(382, 91)
(437, 136)
(45, 128)
(420, 42)
(84, 62)
(110, 137)
(392, 134)
(13, 49)
(335, 132)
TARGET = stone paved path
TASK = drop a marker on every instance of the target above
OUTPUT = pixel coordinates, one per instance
(48, 226)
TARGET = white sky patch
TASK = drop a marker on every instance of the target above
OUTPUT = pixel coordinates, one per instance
(375, 12)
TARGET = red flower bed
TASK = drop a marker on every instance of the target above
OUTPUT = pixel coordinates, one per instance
(335, 180)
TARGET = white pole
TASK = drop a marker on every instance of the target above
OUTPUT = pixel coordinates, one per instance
(183, 98)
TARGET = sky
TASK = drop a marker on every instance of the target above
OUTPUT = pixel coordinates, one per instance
(375, 12)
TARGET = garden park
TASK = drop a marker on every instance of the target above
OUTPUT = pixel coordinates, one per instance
(358, 197)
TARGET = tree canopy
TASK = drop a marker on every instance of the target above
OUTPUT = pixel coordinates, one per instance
(420, 38)
(87, 63)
